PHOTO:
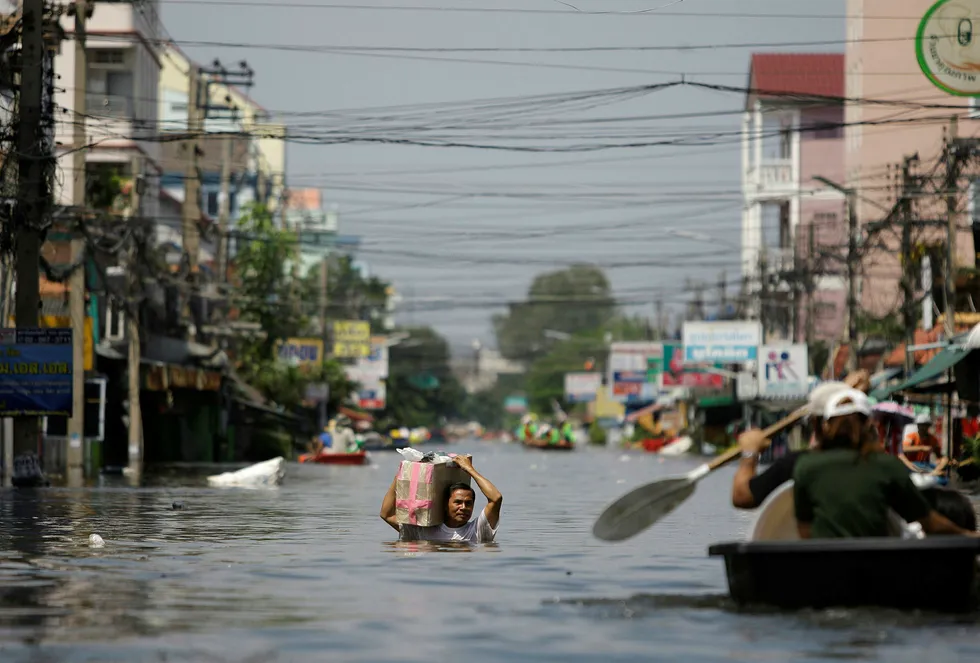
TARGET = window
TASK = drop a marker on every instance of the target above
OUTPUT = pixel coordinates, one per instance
(212, 203)
(108, 56)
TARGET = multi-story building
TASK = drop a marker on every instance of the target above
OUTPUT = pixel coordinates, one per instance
(791, 135)
(882, 65)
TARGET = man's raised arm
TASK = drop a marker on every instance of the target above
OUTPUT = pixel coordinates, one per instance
(388, 506)
(494, 498)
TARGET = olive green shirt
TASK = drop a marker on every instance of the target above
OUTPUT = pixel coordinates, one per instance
(843, 496)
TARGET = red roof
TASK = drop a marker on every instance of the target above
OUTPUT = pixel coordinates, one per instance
(812, 74)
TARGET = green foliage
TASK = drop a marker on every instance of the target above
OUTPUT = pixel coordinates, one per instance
(266, 443)
(264, 284)
(422, 391)
(350, 296)
(567, 301)
(597, 435)
(887, 328)
(103, 186)
(286, 385)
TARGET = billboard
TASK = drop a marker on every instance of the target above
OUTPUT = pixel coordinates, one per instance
(370, 372)
(783, 371)
(679, 374)
(306, 352)
(636, 371)
(725, 342)
(582, 387)
(351, 338)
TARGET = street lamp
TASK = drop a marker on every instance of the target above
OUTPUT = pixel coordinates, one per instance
(852, 249)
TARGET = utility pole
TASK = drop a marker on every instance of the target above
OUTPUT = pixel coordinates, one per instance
(951, 185)
(324, 326)
(908, 272)
(132, 325)
(852, 259)
(192, 180)
(75, 454)
(808, 283)
(32, 204)
(661, 327)
(225, 209)
(763, 291)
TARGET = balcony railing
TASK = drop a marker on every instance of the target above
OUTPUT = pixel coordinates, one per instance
(776, 173)
(108, 105)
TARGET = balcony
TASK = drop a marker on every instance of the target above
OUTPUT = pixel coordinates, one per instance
(109, 106)
(773, 178)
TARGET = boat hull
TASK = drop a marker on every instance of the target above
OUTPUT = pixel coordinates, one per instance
(354, 458)
(550, 447)
(830, 573)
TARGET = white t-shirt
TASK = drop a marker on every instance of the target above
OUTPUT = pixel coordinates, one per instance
(475, 531)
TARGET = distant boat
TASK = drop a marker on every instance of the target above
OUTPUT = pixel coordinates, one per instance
(352, 458)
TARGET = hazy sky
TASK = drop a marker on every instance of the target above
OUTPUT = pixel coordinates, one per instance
(459, 230)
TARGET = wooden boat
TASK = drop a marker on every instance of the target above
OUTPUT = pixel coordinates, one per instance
(846, 572)
(544, 446)
(265, 474)
(350, 458)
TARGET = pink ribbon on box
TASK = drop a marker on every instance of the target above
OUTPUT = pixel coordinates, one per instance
(413, 504)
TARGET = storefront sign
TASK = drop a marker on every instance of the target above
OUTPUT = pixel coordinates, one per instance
(724, 342)
(582, 387)
(783, 371)
(636, 371)
(36, 374)
(305, 352)
(351, 339)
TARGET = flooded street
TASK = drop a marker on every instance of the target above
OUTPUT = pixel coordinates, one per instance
(309, 572)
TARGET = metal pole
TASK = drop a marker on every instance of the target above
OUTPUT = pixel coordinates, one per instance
(133, 330)
(908, 291)
(852, 333)
(31, 208)
(192, 185)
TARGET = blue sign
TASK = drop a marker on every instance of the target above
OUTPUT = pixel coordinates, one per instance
(725, 342)
(36, 374)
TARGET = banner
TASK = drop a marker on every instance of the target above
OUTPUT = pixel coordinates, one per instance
(351, 339)
(724, 342)
(370, 372)
(636, 371)
(307, 352)
(679, 374)
(373, 396)
(582, 387)
(783, 371)
(35, 372)
(64, 322)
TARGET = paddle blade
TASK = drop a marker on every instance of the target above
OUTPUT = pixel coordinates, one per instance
(640, 508)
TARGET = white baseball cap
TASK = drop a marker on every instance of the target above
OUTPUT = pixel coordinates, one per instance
(837, 407)
(923, 419)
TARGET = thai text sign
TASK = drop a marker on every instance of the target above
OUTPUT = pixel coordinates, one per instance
(783, 371)
(582, 387)
(725, 342)
(351, 339)
(306, 352)
(636, 371)
(679, 374)
(946, 44)
(35, 372)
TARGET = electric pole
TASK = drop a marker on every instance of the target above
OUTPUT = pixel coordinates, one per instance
(132, 324)
(763, 292)
(192, 180)
(75, 454)
(852, 259)
(32, 206)
(224, 211)
(908, 271)
(952, 156)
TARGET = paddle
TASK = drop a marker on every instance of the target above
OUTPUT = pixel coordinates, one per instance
(642, 507)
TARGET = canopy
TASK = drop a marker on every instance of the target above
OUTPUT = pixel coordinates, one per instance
(936, 368)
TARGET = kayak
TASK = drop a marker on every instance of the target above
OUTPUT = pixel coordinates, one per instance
(845, 572)
(351, 458)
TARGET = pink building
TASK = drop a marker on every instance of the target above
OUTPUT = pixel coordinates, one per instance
(882, 65)
(792, 132)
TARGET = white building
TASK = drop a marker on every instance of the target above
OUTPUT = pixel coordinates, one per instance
(120, 112)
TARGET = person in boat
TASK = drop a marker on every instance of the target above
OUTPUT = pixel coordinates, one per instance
(529, 429)
(847, 489)
(322, 442)
(567, 432)
(460, 499)
(344, 439)
(749, 489)
(919, 445)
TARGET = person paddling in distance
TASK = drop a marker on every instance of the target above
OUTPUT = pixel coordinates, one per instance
(460, 499)
(847, 489)
(749, 489)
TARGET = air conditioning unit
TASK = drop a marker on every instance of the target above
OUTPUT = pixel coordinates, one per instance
(115, 322)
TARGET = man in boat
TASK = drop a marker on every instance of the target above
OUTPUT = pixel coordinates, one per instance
(847, 489)
(456, 526)
(749, 490)
(567, 432)
(918, 447)
(344, 439)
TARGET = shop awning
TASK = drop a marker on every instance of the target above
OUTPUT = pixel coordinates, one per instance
(936, 368)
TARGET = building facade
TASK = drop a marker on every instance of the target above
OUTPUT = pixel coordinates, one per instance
(792, 134)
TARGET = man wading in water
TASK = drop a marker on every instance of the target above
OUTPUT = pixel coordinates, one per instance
(456, 525)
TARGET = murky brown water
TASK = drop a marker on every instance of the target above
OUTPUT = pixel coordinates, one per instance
(309, 572)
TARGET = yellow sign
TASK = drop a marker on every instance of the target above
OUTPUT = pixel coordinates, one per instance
(63, 322)
(304, 351)
(352, 339)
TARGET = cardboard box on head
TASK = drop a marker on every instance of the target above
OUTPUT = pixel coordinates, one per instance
(420, 491)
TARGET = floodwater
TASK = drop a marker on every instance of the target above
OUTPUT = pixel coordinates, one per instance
(308, 572)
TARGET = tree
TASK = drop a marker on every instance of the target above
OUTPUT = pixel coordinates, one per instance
(567, 301)
(422, 391)
(264, 284)
(350, 296)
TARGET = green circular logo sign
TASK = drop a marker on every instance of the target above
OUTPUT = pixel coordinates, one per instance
(948, 48)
